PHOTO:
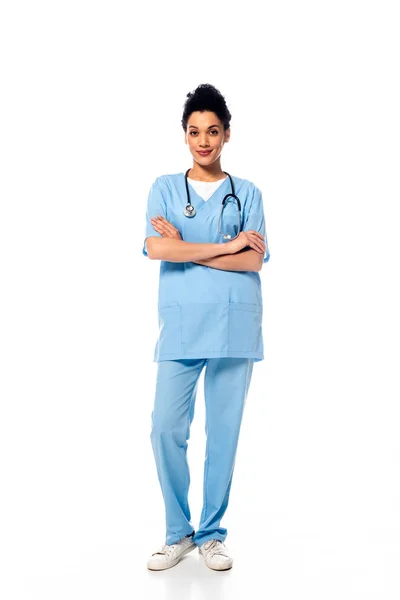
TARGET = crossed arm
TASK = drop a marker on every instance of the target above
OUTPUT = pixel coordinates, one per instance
(244, 260)
(216, 256)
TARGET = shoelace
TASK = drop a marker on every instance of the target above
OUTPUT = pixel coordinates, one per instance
(215, 547)
(167, 549)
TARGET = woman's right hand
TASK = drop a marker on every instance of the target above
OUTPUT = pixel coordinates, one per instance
(251, 238)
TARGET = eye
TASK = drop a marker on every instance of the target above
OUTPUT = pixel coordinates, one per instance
(212, 131)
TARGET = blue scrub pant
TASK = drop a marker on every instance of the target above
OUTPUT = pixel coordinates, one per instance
(226, 383)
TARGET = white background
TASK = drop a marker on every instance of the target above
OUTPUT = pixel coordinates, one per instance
(91, 102)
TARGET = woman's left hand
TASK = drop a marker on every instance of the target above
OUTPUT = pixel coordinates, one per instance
(166, 228)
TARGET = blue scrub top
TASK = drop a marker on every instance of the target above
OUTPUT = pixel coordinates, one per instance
(205, 312)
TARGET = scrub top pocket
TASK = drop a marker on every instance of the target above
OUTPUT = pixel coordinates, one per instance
(204, 328)
(229, 224)
(170, 334)
(245, 327)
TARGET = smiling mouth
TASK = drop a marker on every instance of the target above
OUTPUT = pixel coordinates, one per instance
(204, 151)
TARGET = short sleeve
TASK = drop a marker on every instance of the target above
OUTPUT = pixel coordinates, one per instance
(254, 219)
(155, 206)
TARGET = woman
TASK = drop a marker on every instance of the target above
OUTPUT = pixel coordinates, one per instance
(210, 313)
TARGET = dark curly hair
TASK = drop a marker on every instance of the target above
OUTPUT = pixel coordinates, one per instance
(206, 97)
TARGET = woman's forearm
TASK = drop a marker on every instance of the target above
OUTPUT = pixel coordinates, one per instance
(173, 250)
(249, 260)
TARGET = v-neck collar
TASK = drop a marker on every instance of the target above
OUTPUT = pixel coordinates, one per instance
(199, 197)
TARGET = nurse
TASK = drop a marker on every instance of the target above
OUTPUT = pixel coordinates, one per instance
(210, 316)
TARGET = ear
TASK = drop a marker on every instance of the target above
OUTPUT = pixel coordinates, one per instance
(227, 135)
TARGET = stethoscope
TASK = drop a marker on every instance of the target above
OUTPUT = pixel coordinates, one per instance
(190, 210)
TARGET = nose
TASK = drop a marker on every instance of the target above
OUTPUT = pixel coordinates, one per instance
(204, 143)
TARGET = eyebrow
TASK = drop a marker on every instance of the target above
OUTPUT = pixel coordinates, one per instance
(207, 127)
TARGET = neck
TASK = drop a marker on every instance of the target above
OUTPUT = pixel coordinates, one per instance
(211, 173)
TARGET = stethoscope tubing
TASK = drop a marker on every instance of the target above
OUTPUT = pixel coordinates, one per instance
(190, 211)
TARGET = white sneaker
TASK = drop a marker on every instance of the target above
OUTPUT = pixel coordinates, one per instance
(169, 555)
(216, 555)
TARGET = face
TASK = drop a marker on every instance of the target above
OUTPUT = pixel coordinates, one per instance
(205, 131)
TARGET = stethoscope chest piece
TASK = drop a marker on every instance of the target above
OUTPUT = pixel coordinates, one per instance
(189, 211)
